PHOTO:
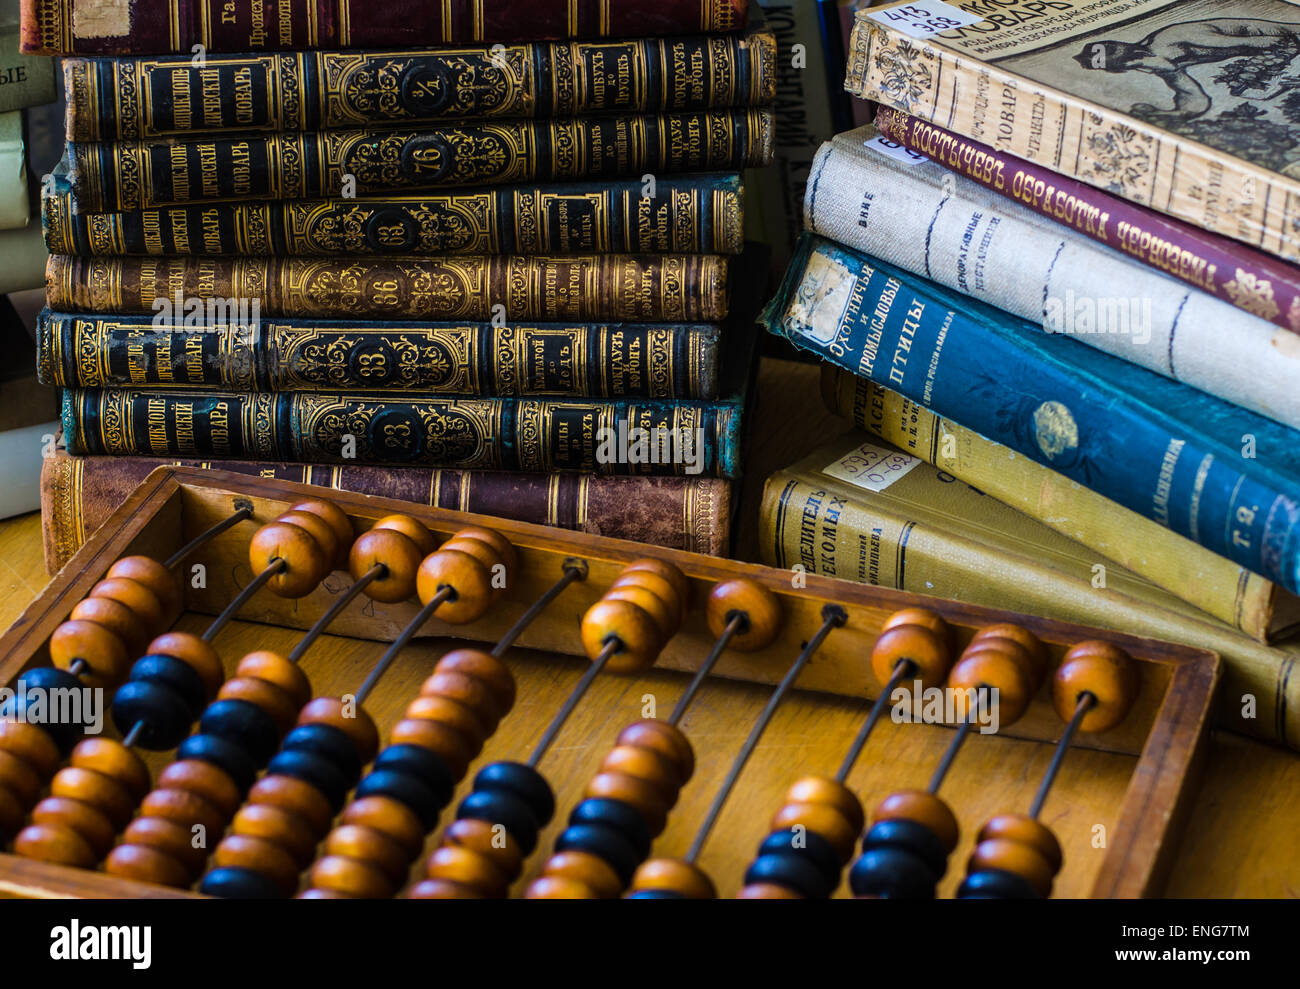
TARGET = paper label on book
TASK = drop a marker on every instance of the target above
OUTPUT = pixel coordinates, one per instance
(872, 468)
(922, 20)
(892, 149)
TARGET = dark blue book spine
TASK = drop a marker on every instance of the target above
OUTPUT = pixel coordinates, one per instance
(1225, 478)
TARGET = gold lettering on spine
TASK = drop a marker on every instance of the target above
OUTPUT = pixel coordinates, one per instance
(182, 112)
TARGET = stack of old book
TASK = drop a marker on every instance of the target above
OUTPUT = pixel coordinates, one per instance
(492, 274)
(1063, 269)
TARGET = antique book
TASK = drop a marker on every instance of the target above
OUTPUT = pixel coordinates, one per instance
(609, 360)
(669, 288)
(25, 80)
(15, 199)
(945, 227)
(347, 163)
(1222, 476)
(153, 27)
(1246, 278)
(1188, 107)
(688, 513)
(29, 415)
(1229, 592)
(700, 213)
(862, 512)
(132, 99)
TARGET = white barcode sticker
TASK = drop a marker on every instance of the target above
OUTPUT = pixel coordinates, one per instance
(921, 20)
(895, 150)
(872, 468)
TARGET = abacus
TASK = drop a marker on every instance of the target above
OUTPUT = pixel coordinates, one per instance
(354, 697)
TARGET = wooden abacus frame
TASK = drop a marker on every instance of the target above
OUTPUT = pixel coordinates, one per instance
(1165, 730)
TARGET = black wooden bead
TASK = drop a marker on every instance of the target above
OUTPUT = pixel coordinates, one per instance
(655, 894)
(240, 884)
(915, 837)
(178, 677)
(605, 843)
(892, 873)
(996, 884)
(222, 753)
(812, 847)
(245, 724)
(623, 818)
(64, 734)
(793, 870)
(165, 714)
(404, 788)
(333, 743)
(316, 769)
(505, 808)
(525, 782)
(425, 765)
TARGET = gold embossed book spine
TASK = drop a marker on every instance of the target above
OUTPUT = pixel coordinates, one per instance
(148, 174)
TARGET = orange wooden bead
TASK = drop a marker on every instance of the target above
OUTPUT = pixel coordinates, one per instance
(458, 864)
(440, 889)
(195, 653)
(918, 644)
(668, 740)
(19, 778)
(153, 575)
(350, 719)
(485, 553)
(277, 670)
(482, 666)
(389, 817)
(397, 554)
(372, 847)
(923, 808)
(483, 838)
(31, 744)
(266, 858)
(1033, 646)
(668, 571)
(101, 650)
(295, 796)
(455, 715)
(663, 612)
(304, 561)
(352, 878)
(559, 888)
(1027, 831)
(503, 546)
(137, 598)
(824, 820)
(455, 748)
(1000, 665)
(1103, 670)
(638, 637)
(676, 876)
(13, 812)
(285, 828)
(114, 760)
(822, 790)
(469, 690)
(413, 529)
(767, 891)
(590, 870)
(91, 823)
(760, 608)
(117, 618)
(100, 791)
(210, 782)
(661, 587)
(172, 838)
(146, 865)
(55, 843)
(187, 809)
(1019, 859)
(648, 765)
(466, 576)
(264, 695)
(641, 794)
(918, 616)
(320, 530)
(337, 520)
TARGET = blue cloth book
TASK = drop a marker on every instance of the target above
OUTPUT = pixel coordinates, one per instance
(1224, 477)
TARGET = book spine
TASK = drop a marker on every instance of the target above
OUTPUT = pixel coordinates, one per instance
(923, 218)
(1217, 586)
(1000, 378)
(693, 514)
(148, 98)
(635, 288)
(155, 27)
(1227, 269)
(690, 214)
(343, 164)
(1128, 156)
(602, 360)
(651, 438)
(837, 531)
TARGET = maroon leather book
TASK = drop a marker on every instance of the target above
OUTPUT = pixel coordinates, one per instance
(159, 27)
(689, 513)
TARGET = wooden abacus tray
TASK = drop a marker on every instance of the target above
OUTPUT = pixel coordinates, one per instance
(1116, 807)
